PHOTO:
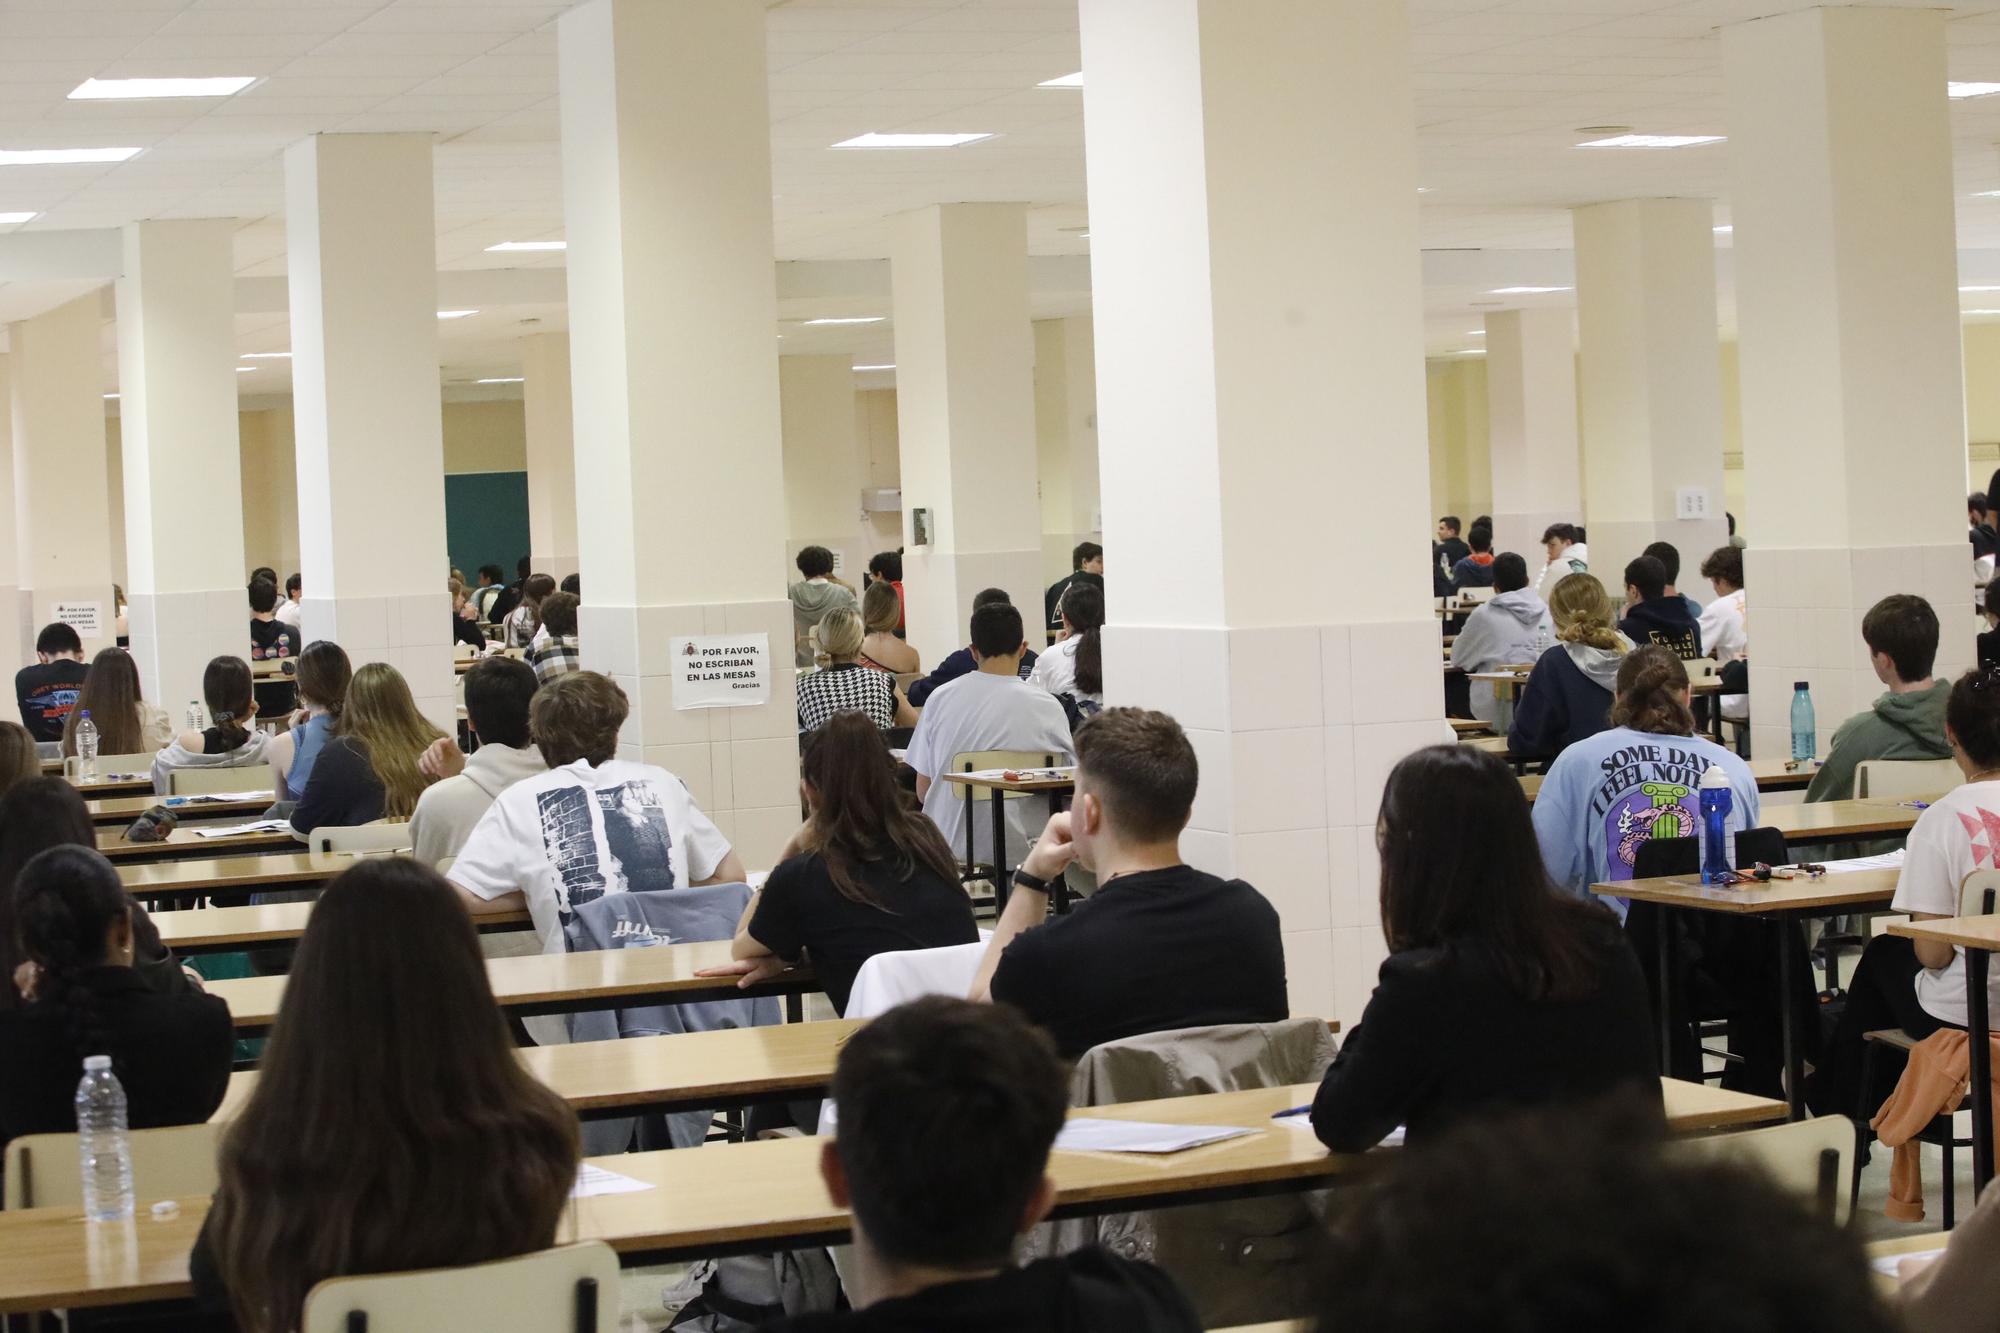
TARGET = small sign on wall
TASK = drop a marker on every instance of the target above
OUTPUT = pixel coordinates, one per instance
(86, 618)
(721, 670)
(1691, 502)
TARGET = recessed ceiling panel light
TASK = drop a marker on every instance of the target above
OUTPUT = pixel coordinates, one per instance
(890, 366)
(1528, 291)
(506, 246)
(850, 319)
(1979, 312)
(245, 370)
(910, 140)
(1963, 90)
(455, 314)
(110, 395)
(108, 90)
(504, 379)
(1653, 141)
(57, 157)
(1470, 351)
(12, 219)
(1986, 194)
(1066, 81)
(267, 356)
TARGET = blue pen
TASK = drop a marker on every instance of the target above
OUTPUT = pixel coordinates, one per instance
(1296, 1110)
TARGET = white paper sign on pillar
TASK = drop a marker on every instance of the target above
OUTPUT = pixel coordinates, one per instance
(721, 670)
(86, 618)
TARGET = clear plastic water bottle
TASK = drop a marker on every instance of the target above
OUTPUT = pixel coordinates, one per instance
(1717, 801)
(103, 1148)
(194, 720)
(1805, 733)
(86, 747)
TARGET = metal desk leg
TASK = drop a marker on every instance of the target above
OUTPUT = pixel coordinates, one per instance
(1061, 886)
(1002, 876)
(1663, 930)
(1795, 1074)
(1976, 962)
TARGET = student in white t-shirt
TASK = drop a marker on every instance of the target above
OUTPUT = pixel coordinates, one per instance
(990, 709)
(1073, 668)
(589, 826)
(1724, 630)
(1917, 985)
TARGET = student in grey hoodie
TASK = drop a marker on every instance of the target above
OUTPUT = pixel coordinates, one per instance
(1568, 694)
(497, 691)
(814, 596)
(1513, 627)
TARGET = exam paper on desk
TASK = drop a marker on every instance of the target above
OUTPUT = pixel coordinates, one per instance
(1083, 1134)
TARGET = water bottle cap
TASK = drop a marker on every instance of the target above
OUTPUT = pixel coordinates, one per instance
(1715, 777)
(86, 713)
(1800, 684)
(96, 1064)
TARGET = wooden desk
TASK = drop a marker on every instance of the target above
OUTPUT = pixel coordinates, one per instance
(1922, 1243)
(1978, 937)
(1055, 788)
(222, 929)
(112, 784)
(1839, 821)
(554, 983)
(185, 842)
(122, 810)
(275, 668)
(762, 1195)
(149, 880)
(1469, 726)
(1771, 775)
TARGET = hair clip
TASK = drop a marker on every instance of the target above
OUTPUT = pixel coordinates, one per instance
(223, 715)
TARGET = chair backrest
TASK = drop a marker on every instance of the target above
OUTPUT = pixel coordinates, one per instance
(1702, 668)
(1973, 891)
(48, 749)
(983, 761)
(1809, 1157)
(905, 679)
(1471, 596)
(44, 1170)
(112, 763)
(195, 781)
(1659, 857)
(1894, 778)
(573, 1287)
(376, 837)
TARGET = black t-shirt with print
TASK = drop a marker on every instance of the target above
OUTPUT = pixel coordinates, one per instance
(46, 692)
(272, 638)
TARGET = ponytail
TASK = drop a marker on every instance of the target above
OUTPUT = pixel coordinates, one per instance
(66, 900)
(231, 694)
(1083, 609)
(1581, 610)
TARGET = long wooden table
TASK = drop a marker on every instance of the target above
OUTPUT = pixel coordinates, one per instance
(557, 983)
(122, 810)
(166, 880)
(185, 842)
(1978, 936)
(222, 929)
(763, 1195)
(113, 784)
(1839, 821)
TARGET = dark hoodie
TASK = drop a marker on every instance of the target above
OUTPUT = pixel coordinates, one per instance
(1664, 621)
(1567, 698)
(1474, 571)
(1089, 1291)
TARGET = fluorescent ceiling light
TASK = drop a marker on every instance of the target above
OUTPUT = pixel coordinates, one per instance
(10, 219)
(526, 245)
(1527, 291)
(851, 319)
(1726, 229)
(1979, 312)
(266, 356)
(1980, 289)
(455, 314)
(1986, 194)
(910, 140)
(504, 379)
(1425, 189)
(1066, 81)
(1961, 90)
(132, 89)
(1652, 141)
(56, 157)
(890, 366)
(110, 395)
(1470, 351)
(1475, 333)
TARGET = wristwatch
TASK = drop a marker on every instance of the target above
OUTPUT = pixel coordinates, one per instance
(1024, 880)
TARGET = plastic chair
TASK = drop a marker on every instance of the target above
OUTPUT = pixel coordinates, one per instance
(1878, 779)
(1808, 1157)
(1703, 668)
(197, 781)
(979, 761)
(45, 1170)
(462, 651)
(572, 1287)
(356, 838)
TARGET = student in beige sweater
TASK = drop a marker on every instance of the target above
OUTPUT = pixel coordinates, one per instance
(497, 691)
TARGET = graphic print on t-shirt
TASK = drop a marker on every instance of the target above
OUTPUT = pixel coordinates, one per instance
(1986, 826)
(1649, 791)
(636, 847)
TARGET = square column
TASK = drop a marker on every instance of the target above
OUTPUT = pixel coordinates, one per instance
(965, 415)
(1531, 414)
(368, 418)
(826, 462)
(181, 455)
(1651, 380)
(1258, 298)
(1066, 429)
(673, 312)
(62, 486)
(545, 405)
(1847, 311)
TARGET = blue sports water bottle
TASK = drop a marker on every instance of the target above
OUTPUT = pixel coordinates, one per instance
(1716, 803)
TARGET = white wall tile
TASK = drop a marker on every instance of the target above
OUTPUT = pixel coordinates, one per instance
(1336, 674)
(1274, 678)
(1310, 973)
(1340, 803)
(766, 772)
(1280, 780)
(1290, 869)
(1212, 797)
(1385, 682)
(1205, 849)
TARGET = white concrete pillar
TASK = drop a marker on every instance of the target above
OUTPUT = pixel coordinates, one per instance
(545, 405)
(61, 480)
(370, 435)
(965, 413)
(1651, 378)
(1531, 414)
(1262, 437)
(673, 303)
(16, 635)
(180, 453)
(826, 462)
(1066, 432)
(1840, 153)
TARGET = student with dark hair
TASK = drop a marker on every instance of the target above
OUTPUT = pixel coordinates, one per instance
(1086, 566)
(962, 661)
(1567, 555)
(1568, 694)
(1988, 642)
(231, 740)
(1573, 1222)
(555, 652)
(1653, 617)
(266, 573)
(1073, 668)
(1917, 985)
(1475, 568)
(492, 585)
(1138, 955)
(498, 693)
(1511, 627)
(816, 593)
(290, 611)
(524, 623)
(172, 1053)
(269, 636)
(47, 691)
(1985, 542)
(511, 594)
(1498, 991)
(990, 708)
(935, 1226)
(392, 1126)
(573, 585)
(1901, 634)
(866, 875)
(887, 567)
(1449, 548)
(322, 681)
(1669, 557)
(111, 699)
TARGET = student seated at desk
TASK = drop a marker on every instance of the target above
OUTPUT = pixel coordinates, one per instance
(82, 996)
(882, 615)
(464, 618)
(555, 652)
(322, 680)
(1160, 945)
(1087, 566)
(270, 637)
(887, 567)
(947, 1114)
(866, 875)
(1513, 626)
(498, 692)
(232, 739)
(47, 690)
(19, 759)
(1498, 991)
(1567, 696)
(290, 611)
(125, 722)
(1072, 670)
(1901, 633)
(1918, 985)
(492, 585)
(1475, 568)
(524, 622)
(843, 685)
(1653, 617)
(963, 662)
(367, 769)
(392, 1126)
(1669, 556)
(1567, 554)
(815, 594)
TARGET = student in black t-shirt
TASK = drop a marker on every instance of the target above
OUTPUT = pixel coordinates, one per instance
(868, 874)
(1087, 561)
(48, 690)
(1160, 945)
(269, 636)
(947, 1114)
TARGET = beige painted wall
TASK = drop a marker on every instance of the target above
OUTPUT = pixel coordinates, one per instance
(1461, 470)
(485, 437)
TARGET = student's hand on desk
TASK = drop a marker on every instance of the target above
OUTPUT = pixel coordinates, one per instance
(754, 971)
(443, 759)
(1053, 851)
(25, 977)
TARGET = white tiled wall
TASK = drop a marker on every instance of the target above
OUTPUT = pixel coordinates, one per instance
(1805, 608)
(411, 632)
(174, 634)
(1296, 729)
